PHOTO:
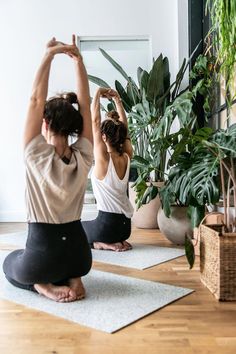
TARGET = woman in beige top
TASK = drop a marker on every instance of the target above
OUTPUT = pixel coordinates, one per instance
(57, 253)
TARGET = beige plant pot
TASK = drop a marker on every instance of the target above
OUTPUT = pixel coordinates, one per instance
(176, 226)
(146, 216)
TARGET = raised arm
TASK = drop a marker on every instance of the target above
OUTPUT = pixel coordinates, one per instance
(123, 118)
(82, 90)
(119, 107)
(34, 117)
(100, 150)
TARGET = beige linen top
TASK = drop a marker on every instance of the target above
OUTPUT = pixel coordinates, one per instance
(54, 190)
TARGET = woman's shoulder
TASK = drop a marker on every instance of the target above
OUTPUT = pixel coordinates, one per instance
(84, 147)
(82, 143)
(38, 146)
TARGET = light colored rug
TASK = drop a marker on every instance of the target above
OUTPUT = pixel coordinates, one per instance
(112, 302)
(17, 239)
(142, 256)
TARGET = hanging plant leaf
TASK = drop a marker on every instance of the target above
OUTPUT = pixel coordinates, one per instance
(196, 214)
(189, 251)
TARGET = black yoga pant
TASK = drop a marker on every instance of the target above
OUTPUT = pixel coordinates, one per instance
(107, 228)
(54, 253)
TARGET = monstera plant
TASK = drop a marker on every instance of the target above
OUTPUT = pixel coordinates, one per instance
(202, 169)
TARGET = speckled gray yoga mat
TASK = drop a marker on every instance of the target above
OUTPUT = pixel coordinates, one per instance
(112, 301)
(142, 256)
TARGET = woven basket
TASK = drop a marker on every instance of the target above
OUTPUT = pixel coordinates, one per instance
(218, 262)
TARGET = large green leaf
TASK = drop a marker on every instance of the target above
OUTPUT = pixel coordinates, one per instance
(196, 178)
(98, 81)
(141, 160)
(144, 80)
(179, 78)
(155, 87)
(149, 194)
(166, 74)
(196, 214)
(132, 93)
(139, 75)
(114, 63)
(167, 197)
(125, 98)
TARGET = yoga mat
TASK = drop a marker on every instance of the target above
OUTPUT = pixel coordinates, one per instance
(142, 256)
(112, 301)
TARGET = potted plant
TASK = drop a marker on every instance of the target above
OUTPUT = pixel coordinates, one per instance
(204, 168)
(218, 242)
(173, 219)
(192, 183)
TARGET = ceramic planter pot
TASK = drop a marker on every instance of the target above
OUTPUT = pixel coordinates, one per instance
(176, 226)
(146, 216)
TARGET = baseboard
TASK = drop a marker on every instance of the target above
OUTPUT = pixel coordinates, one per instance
(89, 212)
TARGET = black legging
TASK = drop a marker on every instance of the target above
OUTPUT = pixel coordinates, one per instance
(54, 253)
(107, 228)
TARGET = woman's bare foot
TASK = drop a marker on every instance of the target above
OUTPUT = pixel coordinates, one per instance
(127, 245)
(77, 286)
(117, 247)
(56, 293)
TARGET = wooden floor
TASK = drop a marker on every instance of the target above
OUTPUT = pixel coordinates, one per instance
(195, 324)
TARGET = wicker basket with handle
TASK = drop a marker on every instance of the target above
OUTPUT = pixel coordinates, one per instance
(218, 262)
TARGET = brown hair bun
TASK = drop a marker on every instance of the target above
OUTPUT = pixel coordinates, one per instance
(113, 115)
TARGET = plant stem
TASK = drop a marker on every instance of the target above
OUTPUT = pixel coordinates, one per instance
(234, 193)
(227, 211)
(223, 190)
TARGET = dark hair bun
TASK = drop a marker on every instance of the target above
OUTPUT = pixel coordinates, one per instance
(113, 115)
(116, 133)
(61, 115)
(71, 97)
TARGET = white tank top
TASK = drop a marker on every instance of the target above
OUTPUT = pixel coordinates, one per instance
(111, 191)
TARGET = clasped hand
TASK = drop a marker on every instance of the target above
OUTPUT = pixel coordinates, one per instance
(57, 47)
(109, 93)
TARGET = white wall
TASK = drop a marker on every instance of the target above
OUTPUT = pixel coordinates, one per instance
(25, 27)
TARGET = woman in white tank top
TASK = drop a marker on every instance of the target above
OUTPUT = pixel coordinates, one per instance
(112, 153)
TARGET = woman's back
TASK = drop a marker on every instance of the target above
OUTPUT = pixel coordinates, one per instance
(111, 191)
(54, 189)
